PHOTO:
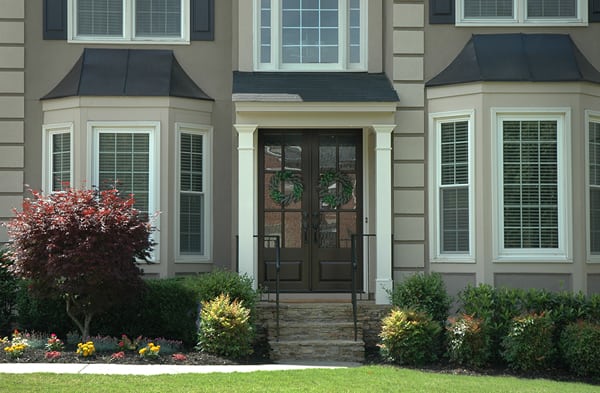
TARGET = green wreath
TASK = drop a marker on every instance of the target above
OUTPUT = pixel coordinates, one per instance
(275, 187)
(334, 198)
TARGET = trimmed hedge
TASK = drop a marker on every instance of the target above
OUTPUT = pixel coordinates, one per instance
(423, 292)
(580, 347)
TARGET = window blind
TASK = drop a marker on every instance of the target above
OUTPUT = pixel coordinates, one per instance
(594, 182)
(61, 161)
(488, 8)
(552, 8)
(191, 196)
(100, 17)
(158, 18)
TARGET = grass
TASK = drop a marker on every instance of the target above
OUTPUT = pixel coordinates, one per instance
(362, 379)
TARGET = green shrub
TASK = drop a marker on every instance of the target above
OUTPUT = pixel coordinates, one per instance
(8, 291)
(409, 337)
(469, 341)
(529, 345)
(165, 308)
(580, 348)
(225, 328)
(41, 315)
(208, 286)
(423, 292)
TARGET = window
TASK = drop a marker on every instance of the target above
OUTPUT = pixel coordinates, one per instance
(453, 199)
(532, 181)
(129, 20)
(311, 34)
(538, 12)
(124, 158)
(193, 178)
(594, 185)
(58, 172)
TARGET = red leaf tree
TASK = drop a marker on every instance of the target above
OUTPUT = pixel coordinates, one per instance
(81, 246)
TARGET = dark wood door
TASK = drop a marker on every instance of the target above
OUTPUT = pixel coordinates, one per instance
(310, 189)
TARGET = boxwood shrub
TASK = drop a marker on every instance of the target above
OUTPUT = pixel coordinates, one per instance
(580, 348)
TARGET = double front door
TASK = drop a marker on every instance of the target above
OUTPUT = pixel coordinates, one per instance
(310, 189)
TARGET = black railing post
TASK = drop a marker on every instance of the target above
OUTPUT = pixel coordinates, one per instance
(277, 269)
(354, 268)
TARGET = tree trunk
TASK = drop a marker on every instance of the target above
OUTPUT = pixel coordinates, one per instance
(84, 327)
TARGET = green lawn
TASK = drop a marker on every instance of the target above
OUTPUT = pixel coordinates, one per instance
(362, 379)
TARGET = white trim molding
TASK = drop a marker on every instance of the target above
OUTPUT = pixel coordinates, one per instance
(437, 255)
(207, 186)
(563, 252)
(49, 130)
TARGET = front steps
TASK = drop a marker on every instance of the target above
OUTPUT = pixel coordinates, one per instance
(312, 332)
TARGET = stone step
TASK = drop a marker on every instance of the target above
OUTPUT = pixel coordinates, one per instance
(315, 330)
(335, 312)
(318, 350)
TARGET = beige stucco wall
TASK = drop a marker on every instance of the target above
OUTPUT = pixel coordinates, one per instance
(208, 63)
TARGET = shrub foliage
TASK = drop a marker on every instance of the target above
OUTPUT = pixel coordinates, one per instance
(225, 328)
(469, 341)
(409, 337)
(423, 292)
(80, 245)
(580, 348)
(529, 345)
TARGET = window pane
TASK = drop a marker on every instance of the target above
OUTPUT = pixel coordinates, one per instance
(116, 166)
(530, 188)
(552, 8)
(454, 220)
(61, 161)
(158, 18)
(191, 224)
(488, 8)
(454, 153)
(100, 17)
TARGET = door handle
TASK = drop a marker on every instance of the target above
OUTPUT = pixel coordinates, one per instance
(305, 226)
(315, 226)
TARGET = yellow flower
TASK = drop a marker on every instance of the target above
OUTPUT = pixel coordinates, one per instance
(143, 351)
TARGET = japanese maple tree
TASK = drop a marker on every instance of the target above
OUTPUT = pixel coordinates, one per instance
(80, 245)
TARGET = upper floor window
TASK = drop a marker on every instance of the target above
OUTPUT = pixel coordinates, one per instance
(311, 34)
(129, 20)
(507, 12)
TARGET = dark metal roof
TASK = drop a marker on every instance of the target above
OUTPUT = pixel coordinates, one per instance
(127, 72)
(316, 86)
(518, 57)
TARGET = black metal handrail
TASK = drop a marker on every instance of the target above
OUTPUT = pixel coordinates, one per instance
(276, 238)
(354, 260)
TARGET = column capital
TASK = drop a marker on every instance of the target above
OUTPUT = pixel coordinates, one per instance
(383, 128)
(245, 128)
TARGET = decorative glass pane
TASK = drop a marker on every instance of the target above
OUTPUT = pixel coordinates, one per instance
(530, 188)
(269, 202)
(272, 227)
(488, 8)
(293, 158)
(273, 157)
(293, 230)
(347, 158)
(100, 18)
(327, 157)
(352, 200)
(61, 161)
(347, 228)
(158, 18)
(328, 230)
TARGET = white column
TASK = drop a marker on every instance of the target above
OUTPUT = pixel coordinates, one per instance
(383, 211)
(247, 200)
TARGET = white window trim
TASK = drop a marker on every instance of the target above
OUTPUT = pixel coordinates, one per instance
(342, 65)
(435, 122)
(152, 128)
(562, 254)
(520, 17)
(128, 28)
(206, 132)
(590, 116)
(49, 130)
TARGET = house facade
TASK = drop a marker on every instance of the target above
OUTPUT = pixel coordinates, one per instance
(450, 136)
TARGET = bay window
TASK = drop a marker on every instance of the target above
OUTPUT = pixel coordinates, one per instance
(58, 157)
